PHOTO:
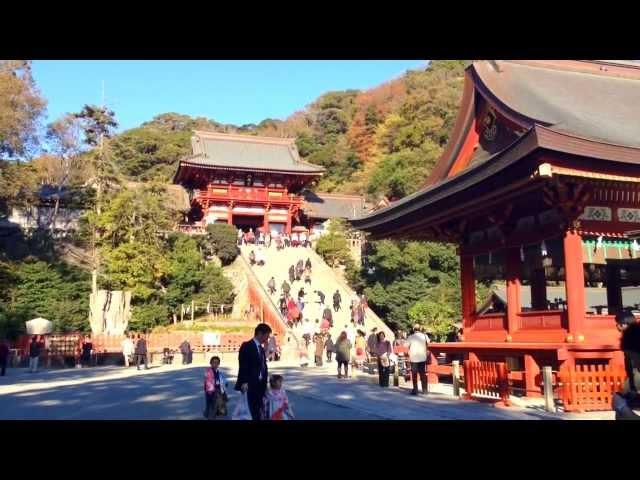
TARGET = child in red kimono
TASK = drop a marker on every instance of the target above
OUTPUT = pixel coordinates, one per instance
(276, 402)
(215, 391)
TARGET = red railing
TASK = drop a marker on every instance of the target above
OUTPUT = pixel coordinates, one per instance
(487, 379)
(224, 193)
(590, 387)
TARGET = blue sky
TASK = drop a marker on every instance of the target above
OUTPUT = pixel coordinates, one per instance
(236, 92)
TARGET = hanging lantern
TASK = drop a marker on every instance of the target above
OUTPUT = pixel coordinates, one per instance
(543, 249)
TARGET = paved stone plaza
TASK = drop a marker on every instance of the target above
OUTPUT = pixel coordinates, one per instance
(174, 392)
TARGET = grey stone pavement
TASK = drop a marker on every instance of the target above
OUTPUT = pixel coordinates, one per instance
(174, 392)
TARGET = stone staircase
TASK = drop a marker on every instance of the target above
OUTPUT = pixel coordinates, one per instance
(323, 278)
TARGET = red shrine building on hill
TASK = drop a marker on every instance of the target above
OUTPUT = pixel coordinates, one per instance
(255, 182)
(539, 187)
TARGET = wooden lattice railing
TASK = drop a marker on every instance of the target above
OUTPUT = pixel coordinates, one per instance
(487, 380)
(589, 387)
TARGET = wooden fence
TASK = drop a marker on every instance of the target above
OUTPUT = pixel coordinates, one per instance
(587, 388)
(487, 379)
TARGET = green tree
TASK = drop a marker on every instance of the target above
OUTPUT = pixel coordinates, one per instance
(438, 311)
(398, 275)
(146, 316)
(56, 291)
(185, 270)
(221, 240)
(21, 108)
(137, 267)
(215, 286)
(334, 246)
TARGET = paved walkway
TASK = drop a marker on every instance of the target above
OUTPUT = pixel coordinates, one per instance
(175, 392)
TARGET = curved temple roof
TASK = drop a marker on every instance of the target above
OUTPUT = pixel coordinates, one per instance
(588, 108)
(245, 152)
(570, 97)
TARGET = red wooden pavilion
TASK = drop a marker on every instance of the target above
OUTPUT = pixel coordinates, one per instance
(538, 186)
(248, 181)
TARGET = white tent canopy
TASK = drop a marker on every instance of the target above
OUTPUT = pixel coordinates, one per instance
(39, 326)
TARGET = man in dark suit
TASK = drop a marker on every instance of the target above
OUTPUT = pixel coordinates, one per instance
(253, 372)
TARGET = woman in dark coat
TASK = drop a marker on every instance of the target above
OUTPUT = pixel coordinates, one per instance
(87, 347)
(342, 348)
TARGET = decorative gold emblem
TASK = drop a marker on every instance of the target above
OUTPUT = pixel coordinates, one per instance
(490, 126)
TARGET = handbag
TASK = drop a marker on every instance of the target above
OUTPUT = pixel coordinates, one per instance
(384, 360)
(242, 412)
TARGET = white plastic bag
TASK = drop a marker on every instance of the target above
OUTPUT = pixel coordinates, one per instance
(242, 412)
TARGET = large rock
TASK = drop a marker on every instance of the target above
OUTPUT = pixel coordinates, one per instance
(110, 312)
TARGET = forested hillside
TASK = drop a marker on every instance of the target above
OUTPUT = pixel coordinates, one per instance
(382, 141)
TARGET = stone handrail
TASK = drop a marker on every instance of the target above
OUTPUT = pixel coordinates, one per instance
(253, 279)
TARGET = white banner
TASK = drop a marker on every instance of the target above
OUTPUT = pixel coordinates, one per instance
(210, 338)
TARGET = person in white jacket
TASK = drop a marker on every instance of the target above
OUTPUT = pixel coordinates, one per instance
(127, 349)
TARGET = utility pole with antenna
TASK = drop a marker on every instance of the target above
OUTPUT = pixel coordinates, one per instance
(96, 257)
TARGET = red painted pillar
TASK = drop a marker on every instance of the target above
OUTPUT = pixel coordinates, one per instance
(513, 272)
(265, 224)
(289, 221)
(468, 287)
(574, 282)
(531, 371)
(432, 370)
(230, 214)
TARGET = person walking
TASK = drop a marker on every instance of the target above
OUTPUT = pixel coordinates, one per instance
(215, 391)
(87, 349)
(328, 316)
(283, 305)
(141, 353)
(343, 354)
(321, 298)
(364, 303)
(128, 349)
(286, 288)
(240, 236)
(307, 331)
(185, 351)
(292, 274)
(360, 315)
(383, 349)
(418, 353)
(299, 269)
(307, 264)
(271, 348)
(307, 276)
(361, 349)
(372, 342)
(276, 402)
(252, 258)
(329, 346)
(337, 299)
(34, 354)
(4, 357)
(303, 239)
(271, 285)
(287, 240)
(301, 299)
(626, 320)
(253, 371)
(319, 342)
